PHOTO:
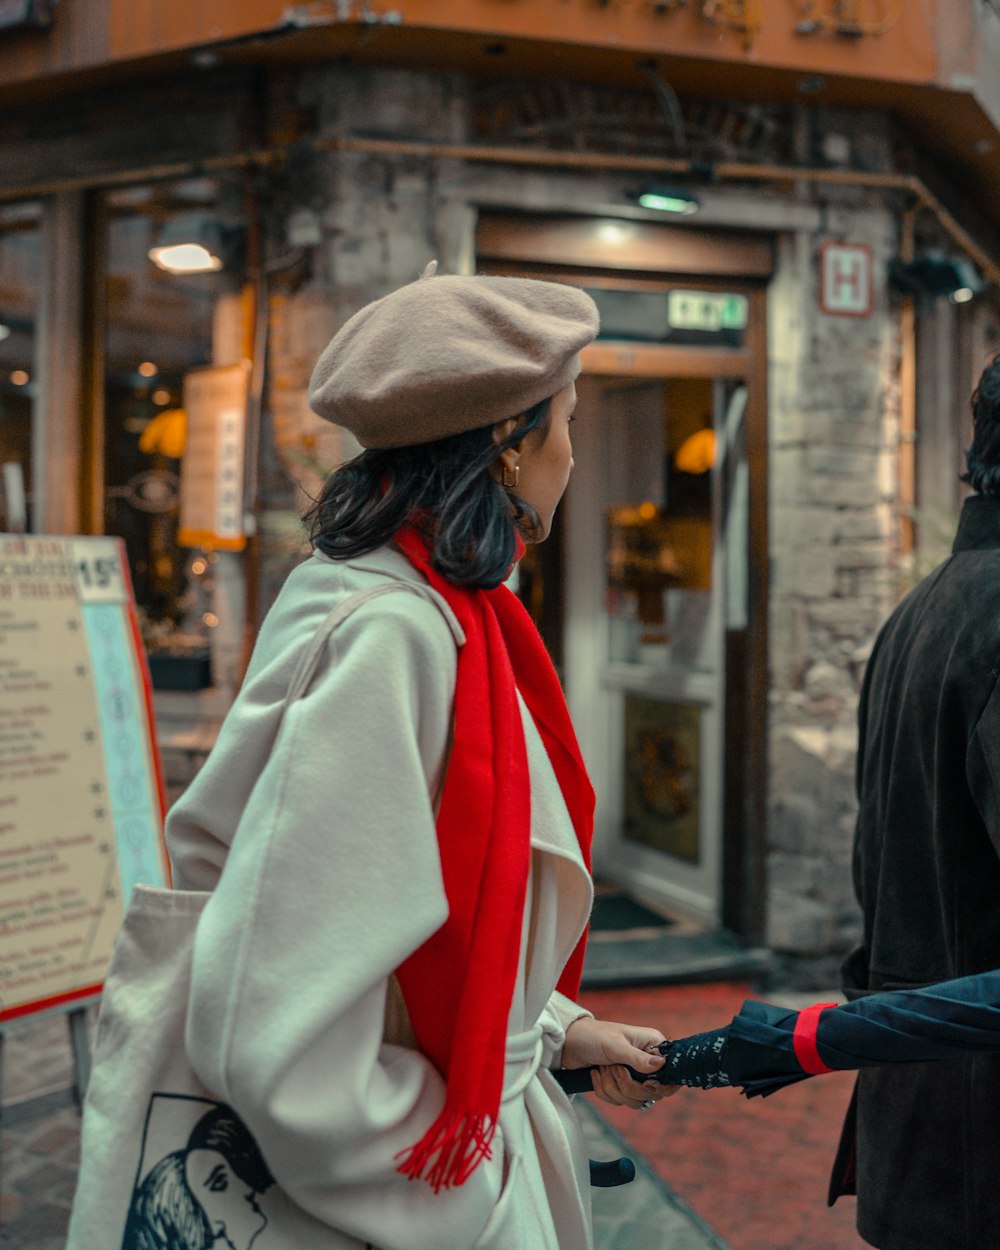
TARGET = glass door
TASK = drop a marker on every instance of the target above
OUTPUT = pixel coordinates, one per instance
(658, 476)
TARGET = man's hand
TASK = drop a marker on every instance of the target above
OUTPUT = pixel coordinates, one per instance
(613, 1046)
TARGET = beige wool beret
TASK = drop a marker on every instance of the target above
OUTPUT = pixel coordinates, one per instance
(447, 354)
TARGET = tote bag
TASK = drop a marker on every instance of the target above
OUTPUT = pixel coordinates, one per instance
(163, 1164)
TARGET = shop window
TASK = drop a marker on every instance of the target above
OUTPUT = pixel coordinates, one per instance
(660, 533)
(20, 276)
(162, 326)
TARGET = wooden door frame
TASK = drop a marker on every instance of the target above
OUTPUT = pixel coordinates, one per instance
(744, 831)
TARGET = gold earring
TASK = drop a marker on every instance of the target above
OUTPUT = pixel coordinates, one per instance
(511, 477)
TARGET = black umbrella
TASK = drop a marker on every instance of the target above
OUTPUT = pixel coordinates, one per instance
(766, 1047)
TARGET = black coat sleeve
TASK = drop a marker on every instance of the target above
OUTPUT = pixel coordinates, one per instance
(758, 1052)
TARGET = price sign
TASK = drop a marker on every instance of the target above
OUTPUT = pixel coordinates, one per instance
(81, 796)
(98, 569)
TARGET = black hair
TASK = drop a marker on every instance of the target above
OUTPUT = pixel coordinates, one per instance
(444, 487)
(223, 1131)
(983, 456)
(164, 1214)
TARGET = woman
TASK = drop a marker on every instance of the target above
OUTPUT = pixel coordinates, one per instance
(204, 1195)
(375, 976)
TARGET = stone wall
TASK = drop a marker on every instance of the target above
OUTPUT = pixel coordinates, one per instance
(833, 444)
(381, 220)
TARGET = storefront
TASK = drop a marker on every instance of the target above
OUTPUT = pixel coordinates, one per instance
(731, 538)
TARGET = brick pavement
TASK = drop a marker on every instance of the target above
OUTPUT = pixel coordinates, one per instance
(757, 1171)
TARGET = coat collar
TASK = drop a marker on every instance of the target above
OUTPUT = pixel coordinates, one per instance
(388, 562)
(978, 525)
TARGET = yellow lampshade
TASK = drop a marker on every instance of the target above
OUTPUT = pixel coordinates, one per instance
(166, 433)
(697, 453)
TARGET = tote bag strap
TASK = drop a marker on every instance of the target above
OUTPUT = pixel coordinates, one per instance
(309, 660)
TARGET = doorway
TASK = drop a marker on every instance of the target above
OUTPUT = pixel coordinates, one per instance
(657, 569)
(657, 593)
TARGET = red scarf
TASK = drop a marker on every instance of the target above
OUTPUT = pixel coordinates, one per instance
(459, 985)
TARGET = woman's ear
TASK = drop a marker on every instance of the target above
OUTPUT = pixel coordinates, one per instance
(505, 465)
(504, 429)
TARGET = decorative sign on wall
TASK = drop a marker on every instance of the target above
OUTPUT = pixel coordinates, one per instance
(845, 279)
(662, 801)
(212, 471)
(81, 796)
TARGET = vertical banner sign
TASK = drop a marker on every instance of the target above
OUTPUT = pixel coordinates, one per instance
(211, 511)
(81, 795)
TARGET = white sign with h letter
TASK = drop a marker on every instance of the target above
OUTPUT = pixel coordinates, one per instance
(845, 279)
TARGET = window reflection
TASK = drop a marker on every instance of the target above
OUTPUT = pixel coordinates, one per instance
(659, 529)
(159, 326)
(20, 278)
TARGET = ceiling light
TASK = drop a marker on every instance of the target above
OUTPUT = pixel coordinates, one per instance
(668, 200)
(185, 258)
(611, 232)
(962, 295)
(195, 243)
(4, 331)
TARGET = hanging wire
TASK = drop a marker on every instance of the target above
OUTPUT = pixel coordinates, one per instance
(670, 104)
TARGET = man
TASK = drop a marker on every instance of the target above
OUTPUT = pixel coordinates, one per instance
(922, 1143)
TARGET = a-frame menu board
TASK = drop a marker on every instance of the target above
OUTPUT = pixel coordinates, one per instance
(81, 793)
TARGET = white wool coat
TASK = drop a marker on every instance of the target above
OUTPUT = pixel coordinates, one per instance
(332, 879)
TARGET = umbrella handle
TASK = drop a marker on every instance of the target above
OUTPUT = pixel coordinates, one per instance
(612, 1172)
(577, 1080)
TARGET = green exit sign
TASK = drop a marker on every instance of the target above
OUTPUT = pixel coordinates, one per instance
(706, 310)
(15, 14)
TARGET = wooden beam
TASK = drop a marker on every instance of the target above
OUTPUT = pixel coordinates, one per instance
(56, 434)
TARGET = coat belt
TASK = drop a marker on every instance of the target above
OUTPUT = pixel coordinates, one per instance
(523, 1059)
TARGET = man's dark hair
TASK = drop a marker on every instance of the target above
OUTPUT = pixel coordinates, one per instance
(445, 488)
(983, 456)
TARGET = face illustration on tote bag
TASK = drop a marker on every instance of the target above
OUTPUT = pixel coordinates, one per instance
(200, 1179)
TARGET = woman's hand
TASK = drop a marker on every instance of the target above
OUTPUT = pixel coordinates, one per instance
(613, 1046)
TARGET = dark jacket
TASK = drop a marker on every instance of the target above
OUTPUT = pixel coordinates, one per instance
(927, 876)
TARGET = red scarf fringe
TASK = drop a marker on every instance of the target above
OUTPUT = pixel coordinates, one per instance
(451, 1149)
